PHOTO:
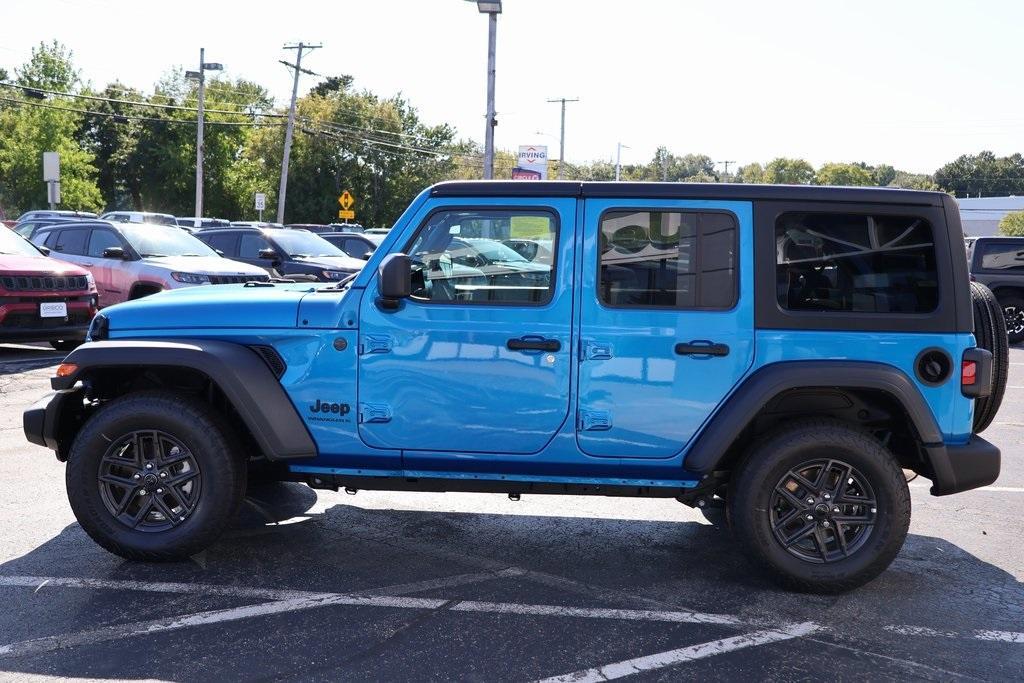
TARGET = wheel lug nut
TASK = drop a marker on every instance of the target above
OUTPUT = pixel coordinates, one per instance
(836, 510)
(827, 497)
(137, 476)
(159, 490)
(142, 492)
(810, 501)
(825, 524)
(163, 475)
(149, 465)
(810, 518)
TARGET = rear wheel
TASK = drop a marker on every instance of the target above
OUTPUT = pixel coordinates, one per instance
(1013, 314)
(990, 334)
(155, 476)
(821, 504)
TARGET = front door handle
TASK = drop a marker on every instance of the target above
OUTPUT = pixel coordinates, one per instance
(702, 347)
(530, 343)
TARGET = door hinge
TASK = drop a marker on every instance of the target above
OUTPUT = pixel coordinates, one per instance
(374, 343)
(594, 420)
(595, 350)
(374, 412)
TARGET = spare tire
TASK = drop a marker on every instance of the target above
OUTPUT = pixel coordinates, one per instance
(990, 334)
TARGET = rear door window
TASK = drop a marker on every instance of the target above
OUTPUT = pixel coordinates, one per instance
(71, 242)
(225, 243)
(250, 246)
(101, 240)
(856, 263)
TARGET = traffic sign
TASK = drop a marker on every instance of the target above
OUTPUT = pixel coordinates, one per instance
(261, 201)
(347, 215)
(346, 200)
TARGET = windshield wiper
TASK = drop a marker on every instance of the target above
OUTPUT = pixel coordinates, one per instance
(190, 254)
(299, 255)
(153, 255)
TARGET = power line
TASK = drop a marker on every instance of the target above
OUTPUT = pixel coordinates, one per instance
(132, 117)
(134, 103)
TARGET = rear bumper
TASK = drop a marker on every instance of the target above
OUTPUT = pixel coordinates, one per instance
(963, 467)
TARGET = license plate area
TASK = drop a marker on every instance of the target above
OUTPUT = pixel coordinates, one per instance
(53, 309)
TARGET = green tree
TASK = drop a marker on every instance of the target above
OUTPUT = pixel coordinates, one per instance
(28, 129)
(783, 171)
(913, 181)
(884, 174)
(982, 174)
(843, 174)
(1012, 224)
(751, 173)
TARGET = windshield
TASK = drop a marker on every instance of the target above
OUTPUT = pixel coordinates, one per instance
(157, 240)
(14, 244)
(297, 243)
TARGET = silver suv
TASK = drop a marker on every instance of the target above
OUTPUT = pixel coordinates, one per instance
(130, 260)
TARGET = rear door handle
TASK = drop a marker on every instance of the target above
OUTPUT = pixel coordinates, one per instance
(702, 347)
(532, 343)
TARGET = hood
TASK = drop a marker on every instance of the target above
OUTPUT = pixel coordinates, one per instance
(205, 265)
(11, 264)
(222, 307)
(334, 262)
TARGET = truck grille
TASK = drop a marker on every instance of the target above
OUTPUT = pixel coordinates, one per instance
(43, 283)
(33, 321)
(236, 279)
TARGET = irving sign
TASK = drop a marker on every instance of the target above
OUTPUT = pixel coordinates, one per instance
(532, 163)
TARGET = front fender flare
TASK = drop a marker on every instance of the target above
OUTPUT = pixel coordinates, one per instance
(238, 371)
(747, 400)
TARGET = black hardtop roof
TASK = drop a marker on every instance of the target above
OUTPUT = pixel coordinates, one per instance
(726, 191)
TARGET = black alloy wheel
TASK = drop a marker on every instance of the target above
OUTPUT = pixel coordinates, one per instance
(822, 511)
(149, 481)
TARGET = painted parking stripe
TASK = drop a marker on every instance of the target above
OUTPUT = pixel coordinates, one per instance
(684, 654)
(1001, 636)
(680, 617)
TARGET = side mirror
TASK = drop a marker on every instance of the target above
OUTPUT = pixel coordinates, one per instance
(268, 254)
(366, 256)
(394, 280)
(113, 252)
(46, 250)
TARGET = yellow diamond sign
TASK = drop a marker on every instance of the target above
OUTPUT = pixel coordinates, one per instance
(346, 200)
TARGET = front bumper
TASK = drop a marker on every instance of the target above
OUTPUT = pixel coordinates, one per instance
(42, 422)
(21, 321)
(957, 468)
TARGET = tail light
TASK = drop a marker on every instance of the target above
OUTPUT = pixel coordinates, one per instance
(976, 373)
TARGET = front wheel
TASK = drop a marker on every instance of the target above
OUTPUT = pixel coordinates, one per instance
(821, 504)
(155, 476)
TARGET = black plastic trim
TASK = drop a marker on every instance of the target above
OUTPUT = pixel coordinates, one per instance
(964, 467)
(949, 316)
(731, 191)
(237, 370)
(748, 399)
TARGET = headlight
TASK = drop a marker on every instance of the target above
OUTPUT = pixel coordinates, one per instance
(90, 280)
(335, 274)
(191, 278)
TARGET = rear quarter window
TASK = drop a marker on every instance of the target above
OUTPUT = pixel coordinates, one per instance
(855, 263)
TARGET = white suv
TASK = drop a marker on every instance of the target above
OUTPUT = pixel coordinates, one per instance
(129, 260)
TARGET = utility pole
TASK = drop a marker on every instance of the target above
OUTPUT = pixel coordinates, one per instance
(561, 138)
(725, 175)
(200, 148)
(618, 160)
(297, 66)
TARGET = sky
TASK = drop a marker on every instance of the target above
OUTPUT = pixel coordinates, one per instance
(906, 82)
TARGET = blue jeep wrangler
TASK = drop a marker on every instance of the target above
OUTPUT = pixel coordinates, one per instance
(790, 353)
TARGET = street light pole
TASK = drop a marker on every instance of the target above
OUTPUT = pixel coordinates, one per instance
(618, 160)
(561, 139)
(492, 35)
(200, 75)
(199, 136)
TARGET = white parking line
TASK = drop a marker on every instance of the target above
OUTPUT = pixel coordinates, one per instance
(1003, 636)
(684, 654)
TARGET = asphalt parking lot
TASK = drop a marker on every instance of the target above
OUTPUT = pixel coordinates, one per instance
(384, 586)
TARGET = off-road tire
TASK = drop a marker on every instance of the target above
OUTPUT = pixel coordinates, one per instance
(212, 443)
(1008, 304)
(775, 454)
(990, 334)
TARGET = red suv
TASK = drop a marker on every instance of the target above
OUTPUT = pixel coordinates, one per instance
(42, 299)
